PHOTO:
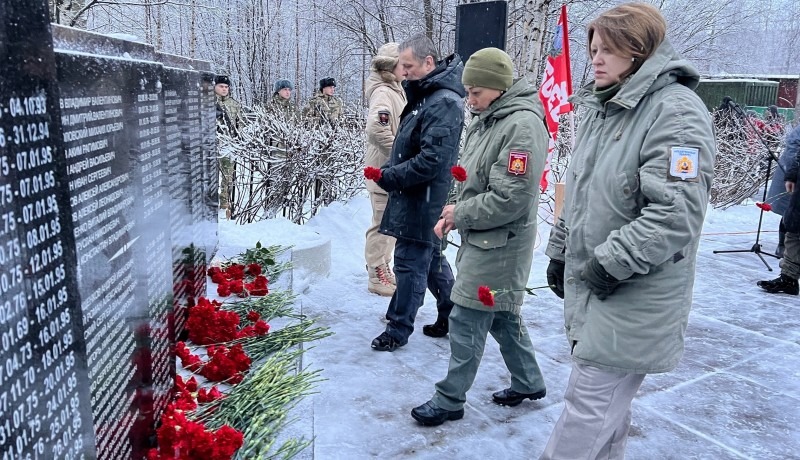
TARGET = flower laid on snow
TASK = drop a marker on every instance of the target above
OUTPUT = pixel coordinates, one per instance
(184, 439)
(207, 396)
(486, 296)
(764, 206)
(372, 173)
(208, 324)
(459, 173)
(242, 280)
(224, 339)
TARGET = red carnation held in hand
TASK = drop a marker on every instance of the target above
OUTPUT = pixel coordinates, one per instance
(372, 173)
(486, 296)
(459, 173)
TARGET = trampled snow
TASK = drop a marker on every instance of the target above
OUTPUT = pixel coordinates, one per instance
(736, 393)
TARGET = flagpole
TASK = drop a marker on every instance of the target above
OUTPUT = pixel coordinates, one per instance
(565, 29)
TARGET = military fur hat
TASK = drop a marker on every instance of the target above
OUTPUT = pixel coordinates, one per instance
(489, 68)
(325, 82)
(280, 84)
(222, 79)
(387, 57)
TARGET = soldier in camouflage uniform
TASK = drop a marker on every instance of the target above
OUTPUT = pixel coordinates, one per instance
(282, 98)
(324, 106)
(229, 120)
(229, 110)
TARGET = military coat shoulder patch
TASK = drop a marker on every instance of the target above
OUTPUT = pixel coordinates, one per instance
(383, 117)
(517, 162)
(684, 163)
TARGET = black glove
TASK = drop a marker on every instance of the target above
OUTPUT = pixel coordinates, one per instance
(597, 278)
(555, 277)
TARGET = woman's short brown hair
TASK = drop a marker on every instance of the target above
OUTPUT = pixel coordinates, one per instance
(631, 30)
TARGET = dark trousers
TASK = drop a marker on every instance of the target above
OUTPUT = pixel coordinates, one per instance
(417, 266)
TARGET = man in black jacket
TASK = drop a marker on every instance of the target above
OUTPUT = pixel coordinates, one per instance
(790, 264)
(418, 180)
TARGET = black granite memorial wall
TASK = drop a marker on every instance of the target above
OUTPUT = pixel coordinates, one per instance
(44, 391)
(107, 224)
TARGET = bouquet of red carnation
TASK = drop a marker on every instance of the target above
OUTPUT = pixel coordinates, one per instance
(181, 438)
(239, 279)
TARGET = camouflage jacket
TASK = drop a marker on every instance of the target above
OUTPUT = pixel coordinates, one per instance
(229, 113)
(280, 104)
(324, 108)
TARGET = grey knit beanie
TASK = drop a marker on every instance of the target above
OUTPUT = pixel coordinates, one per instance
(489, 68)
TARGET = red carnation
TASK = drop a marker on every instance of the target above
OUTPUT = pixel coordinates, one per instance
(213, 271)
(254, 269)
(214, 393)
(372, 173)
(764, 206)
(235, 271)
(260, 282)
(253, 316)
(236, 286)
(218, 278)
(223, 290)
(261, 327)
(486, 296)
(459, 173)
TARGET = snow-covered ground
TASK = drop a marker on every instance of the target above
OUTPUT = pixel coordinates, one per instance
(735, 395)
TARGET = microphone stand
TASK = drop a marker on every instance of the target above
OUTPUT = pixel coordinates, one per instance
(756, 248)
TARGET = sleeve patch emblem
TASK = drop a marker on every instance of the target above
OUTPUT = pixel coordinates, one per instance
(683, 163)
(517, 162)
(383, 117)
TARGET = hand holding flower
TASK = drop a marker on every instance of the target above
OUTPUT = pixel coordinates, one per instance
(447, 221)
(372, 173)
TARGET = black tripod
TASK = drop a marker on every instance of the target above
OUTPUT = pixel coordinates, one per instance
(756, 248)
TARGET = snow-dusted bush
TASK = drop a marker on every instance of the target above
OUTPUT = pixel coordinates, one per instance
(287, 165)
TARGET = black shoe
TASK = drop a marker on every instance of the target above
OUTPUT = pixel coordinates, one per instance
(429, 414)
(438, 329)
(780, 284)
(385, 342)
(780, 250)
(509, 397)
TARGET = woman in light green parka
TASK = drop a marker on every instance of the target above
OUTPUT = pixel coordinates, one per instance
(495, 214)
(623, 252)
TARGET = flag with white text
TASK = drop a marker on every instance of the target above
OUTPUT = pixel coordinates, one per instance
(556, 87)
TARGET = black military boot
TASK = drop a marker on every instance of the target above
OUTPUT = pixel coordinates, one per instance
(780, 284)
(438, 329)
(429, 414)
(509, 397)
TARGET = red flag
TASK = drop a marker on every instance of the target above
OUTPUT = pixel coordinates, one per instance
(556, 87)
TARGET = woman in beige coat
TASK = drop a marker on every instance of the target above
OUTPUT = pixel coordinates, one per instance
(386, 102)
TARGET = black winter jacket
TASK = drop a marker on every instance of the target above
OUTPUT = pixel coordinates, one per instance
(417, 176)
(791, 218)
